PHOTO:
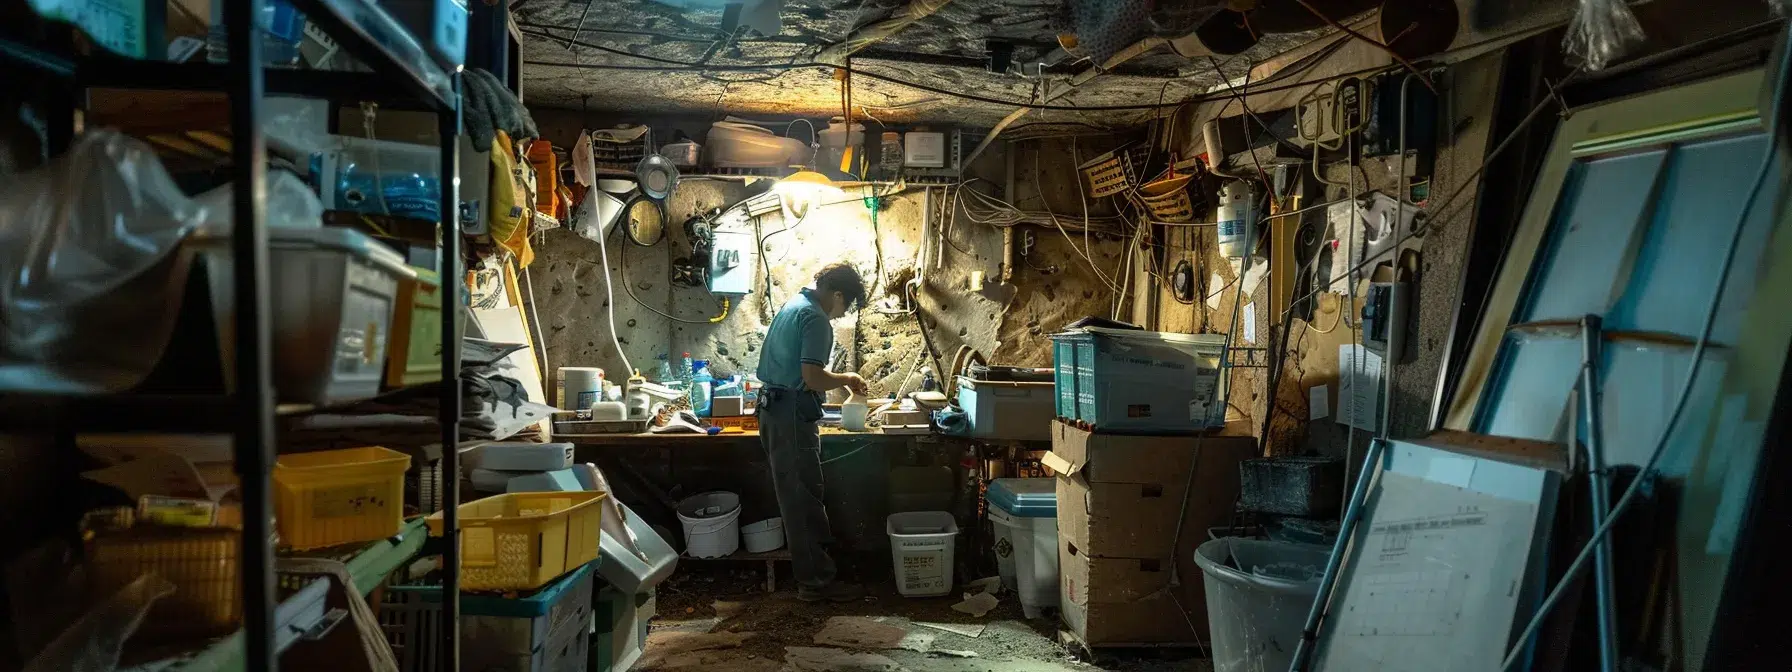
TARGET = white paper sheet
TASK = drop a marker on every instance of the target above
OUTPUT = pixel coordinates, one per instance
(1359, 386)
(1250, 323)
(1429, 586)
(1319, 401)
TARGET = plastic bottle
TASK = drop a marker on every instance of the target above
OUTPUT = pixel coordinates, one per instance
(281, 27)
(700, 382)
(685, 369)
(662, 371)
(1237, 217)
(638, 400)
(852, 413)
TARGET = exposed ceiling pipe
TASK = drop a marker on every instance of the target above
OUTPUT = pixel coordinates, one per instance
(871, 33)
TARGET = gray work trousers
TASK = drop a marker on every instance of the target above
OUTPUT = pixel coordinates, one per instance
(792, 444)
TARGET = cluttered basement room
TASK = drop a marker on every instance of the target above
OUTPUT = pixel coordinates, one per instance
(894, 335)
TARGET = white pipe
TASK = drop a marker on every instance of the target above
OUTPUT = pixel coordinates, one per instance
(610, 296)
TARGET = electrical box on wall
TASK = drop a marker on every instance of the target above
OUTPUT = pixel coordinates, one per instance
(731, 263)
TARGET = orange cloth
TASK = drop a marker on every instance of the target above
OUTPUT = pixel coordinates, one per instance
(547, 176)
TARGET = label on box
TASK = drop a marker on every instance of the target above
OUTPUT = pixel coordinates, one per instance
(348, 500)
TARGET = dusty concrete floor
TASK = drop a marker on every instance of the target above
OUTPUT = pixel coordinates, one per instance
(718, 617)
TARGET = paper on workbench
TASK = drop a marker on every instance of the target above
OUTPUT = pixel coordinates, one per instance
(1359, 386)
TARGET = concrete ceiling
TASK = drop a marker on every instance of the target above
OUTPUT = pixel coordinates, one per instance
(945, 51)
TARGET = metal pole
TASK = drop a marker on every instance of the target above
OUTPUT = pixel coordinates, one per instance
(1598, 481)
(254, 398)
(1309, 636)
(448, 130)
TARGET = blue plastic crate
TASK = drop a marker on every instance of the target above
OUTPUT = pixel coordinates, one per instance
(1140, 381)
(533, 633)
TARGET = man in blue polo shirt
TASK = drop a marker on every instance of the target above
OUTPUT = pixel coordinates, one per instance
(793, 366)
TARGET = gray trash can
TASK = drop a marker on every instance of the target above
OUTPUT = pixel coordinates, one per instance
(1258, 595)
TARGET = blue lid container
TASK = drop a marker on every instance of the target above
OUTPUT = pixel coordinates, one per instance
(1025, 497)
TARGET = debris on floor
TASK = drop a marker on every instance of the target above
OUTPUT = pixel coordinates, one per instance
(950, 653)
(960, 629)
(813, 659)
(977, 605)
(859, 632)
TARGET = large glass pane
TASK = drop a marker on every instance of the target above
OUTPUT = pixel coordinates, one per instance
(1676, 267)
(1640, 386)
(1594, 225)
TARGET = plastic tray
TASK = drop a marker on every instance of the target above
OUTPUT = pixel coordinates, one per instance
(201, 563)
(523, 540)
(339, 496)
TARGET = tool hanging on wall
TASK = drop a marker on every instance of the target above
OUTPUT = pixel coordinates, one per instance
(693, 271)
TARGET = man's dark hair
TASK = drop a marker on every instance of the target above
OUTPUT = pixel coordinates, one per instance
(843, 278)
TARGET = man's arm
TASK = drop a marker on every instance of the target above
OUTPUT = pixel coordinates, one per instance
(818, 343)
(822, 380)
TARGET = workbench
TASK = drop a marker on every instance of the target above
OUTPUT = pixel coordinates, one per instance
(683, 440)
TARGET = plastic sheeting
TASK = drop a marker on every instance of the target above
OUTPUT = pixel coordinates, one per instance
(89, 296)
(1600, 31)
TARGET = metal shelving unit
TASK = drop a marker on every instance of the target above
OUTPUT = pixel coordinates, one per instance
(250, 412)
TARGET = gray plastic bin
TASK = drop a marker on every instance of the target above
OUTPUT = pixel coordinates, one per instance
(1258, 595)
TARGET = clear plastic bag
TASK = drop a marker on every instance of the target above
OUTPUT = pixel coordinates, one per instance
(91, 282)
(290, 204)
(1600, 31)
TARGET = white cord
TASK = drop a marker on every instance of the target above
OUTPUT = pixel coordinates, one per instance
(610, 297)
(1647, 473)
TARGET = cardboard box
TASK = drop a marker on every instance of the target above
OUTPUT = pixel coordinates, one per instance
(1119, 495)
(1126, 601)
(1125, 576)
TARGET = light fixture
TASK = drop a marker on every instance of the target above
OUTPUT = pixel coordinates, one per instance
(802, 191)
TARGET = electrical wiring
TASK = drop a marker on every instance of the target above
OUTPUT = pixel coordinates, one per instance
(622, 263)
(1647, 473)
(1038, 174)
(1366, 39)
(1470, 181)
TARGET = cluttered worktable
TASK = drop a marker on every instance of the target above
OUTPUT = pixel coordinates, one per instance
(681, 440)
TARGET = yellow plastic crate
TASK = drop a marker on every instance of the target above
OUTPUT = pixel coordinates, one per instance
(523, 540)
(336, 497)
(200, 562)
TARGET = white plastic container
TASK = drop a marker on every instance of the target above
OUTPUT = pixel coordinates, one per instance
(764, 536)
(921, 549)
(1024, 512)
(836, 139)
(853, 413)
(711, 524)
(924, 149)
(1237, 217)
(733, 144)
(333, 293)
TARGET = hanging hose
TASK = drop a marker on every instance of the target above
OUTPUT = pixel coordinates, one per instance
(603, 251)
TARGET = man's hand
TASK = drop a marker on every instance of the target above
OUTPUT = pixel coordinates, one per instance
(855, 383)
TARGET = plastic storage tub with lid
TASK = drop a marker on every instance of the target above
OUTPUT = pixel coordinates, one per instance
(1025, 514)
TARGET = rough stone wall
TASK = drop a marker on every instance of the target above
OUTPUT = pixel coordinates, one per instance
(1008, 324)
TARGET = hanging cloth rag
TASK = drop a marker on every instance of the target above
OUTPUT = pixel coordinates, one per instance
(487, 107)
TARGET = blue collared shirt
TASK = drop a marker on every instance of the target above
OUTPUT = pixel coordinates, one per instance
(799, 335)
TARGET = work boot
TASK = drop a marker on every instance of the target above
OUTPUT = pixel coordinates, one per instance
(833, 592)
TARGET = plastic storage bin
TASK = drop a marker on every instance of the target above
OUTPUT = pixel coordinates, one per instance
(336, 497)
(1258, 595)
(921, 548)
(999, 409)
(621, 637)
(416, 351)
(543, 631)
(634, 573)
(523, 540)
(380, 177)
(1024, 512)
(201, 563)
(1140, 381)
(333, 294)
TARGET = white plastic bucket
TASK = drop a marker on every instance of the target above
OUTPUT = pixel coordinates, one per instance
(764, 536)
(1030, 565)
(921, 549)
(711, 524)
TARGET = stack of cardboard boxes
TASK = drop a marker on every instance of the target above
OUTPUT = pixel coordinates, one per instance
(1127, 576)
